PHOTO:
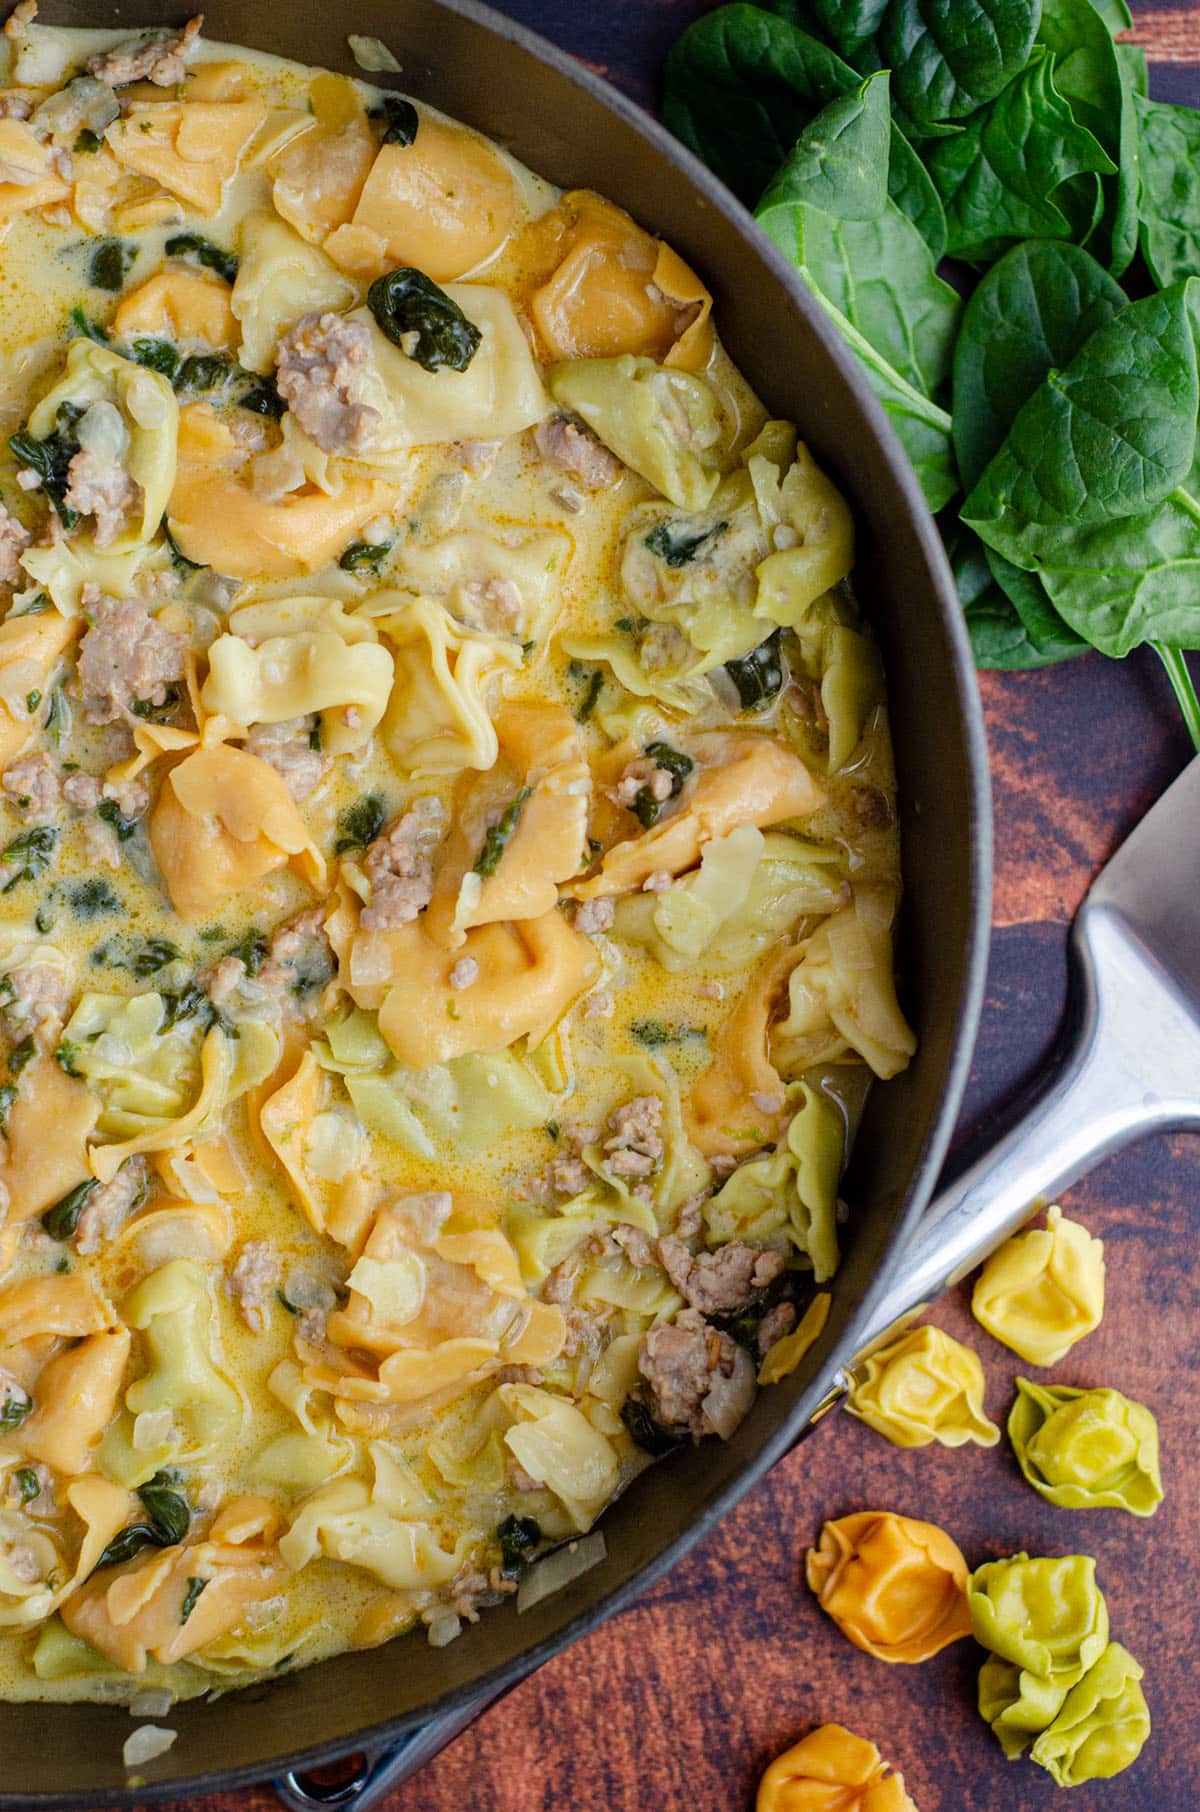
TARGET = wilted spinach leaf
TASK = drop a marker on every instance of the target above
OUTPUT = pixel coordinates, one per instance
(518, 1537)
(30, 854)
(646, 1433)
(61, 1220)
(360, 823)
(406, 302)
(758, 675)
(202, 251)
(50, 459)
(109, 263)
(365, 557)
(155, 355)
(398, 118)
(170, 1518)
(497, 837)
(678, 545)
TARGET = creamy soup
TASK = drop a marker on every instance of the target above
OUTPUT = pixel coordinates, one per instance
(448, 865)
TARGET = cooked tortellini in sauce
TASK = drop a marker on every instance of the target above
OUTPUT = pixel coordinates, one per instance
(448, 871)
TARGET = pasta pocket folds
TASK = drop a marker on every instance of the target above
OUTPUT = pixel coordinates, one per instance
(438, 718)
(1043, 1290)
(192, 148)
(181, 305)
(1046, 1616)
(1103, 1725)
(832, 1770)
(290, 676)
(31, 645)
(31, 179)
(894, 1587)
(920, 1387)
(280, 277)
(222, 821)
(665, 425)
(1086, 1449)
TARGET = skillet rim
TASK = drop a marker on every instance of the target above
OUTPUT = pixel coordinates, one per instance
(506, 1675)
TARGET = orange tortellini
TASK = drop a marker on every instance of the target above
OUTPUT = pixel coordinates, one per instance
(894, 1586)
(192, 148)
(223, 820)
(923, 1386)
(1043, 1290)
(832, 1770)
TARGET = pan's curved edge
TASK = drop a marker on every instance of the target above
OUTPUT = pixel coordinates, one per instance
(507, 1675)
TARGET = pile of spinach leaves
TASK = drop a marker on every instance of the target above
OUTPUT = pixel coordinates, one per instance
(1047, 393)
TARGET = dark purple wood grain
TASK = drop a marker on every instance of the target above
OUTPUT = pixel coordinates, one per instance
(681, 1702)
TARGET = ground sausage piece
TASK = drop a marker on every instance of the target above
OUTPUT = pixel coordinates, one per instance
(322, 364)
(98, 483)
(125, 658)
(491, 604)
(15, 107)
(254, 1281)
(399, 865)
(82, 791)
(299, 959)
(576, 451)
(679, 1363)
(287, 747)
(594, 916)
(718, 1282)
(14, 539)
(36, 998)
(636, 1147)
(774, 1325)
(32, 788)
(159, 57)
(642, 776)
(101, 845)
(108, 1207)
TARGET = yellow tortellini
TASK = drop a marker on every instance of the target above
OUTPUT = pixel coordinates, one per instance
(789, 1196)
(923, 1386)
(438, 719)
(382, 1528)
(555, 1443)
(806, 505)
(136, 422)
(842, 993)
(174, 1311)
(289, 676)
(31, 644)
(894, 1587)
(1086, 1449)
(280, 277)
(498, 394)
(832, 1768)
(1043, 1290)
(463, 570)
(1103, 1724)
(664, 424)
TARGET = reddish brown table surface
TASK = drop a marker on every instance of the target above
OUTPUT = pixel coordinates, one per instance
(680, 1702)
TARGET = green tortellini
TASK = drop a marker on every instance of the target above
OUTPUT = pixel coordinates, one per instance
(174, 1311)
(665, 424)
(1047, 1616)
(1017, 1704)
(1103, 1724)
(790, 1196)
(1086, 1449)
(697, 571)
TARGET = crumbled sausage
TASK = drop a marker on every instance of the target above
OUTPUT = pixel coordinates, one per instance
(465, 973)
(131, 797)
(287, 747)
(99, 484)
(35, 998)
(640, 776)
(472, 1588)
(777, 1322)
(475, 456)
(108, 1207)
(635, 1148)
(15, 107)
(594, 916)
(599, 1004)
(321, 369)
(14, 539)
(663, 645)
(718, 1282)
(32, 787)
(101, 845)
(299, 959)
(82, 791)
(680, 1363)
(254, 1281)
(491, 604)
(574, 449)
(158, 57)
(399, 865)
(125, 658)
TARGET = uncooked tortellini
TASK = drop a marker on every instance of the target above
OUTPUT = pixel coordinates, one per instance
(894, 1587)
(832, 1770)
(1086, 1449)
(1043, 1290)
(1102, 1726)
(923, 1387)
(1047, 1616)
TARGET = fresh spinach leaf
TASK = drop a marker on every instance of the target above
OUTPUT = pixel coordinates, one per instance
(1170, 190)
(949, 57)
(61, 1220)
(849, 25)
(1098, 86)
(399, 119)
(1029, 315)
(1111, 436)
(199, 250)
(839, 163)
(1011, 623)
(498, 835)
(423, 321)
(999, 176)
(758, 675)
(1115, 15)
(1051, 638)
(109, 263)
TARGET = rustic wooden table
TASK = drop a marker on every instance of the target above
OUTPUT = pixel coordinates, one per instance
(679, 1703)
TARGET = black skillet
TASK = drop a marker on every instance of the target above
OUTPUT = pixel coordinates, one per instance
(574, 129)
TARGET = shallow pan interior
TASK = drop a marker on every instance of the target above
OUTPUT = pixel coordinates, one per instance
(570, 127)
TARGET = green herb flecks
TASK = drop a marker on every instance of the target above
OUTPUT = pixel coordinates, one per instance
(497, 837)
(194, 1589)
(365, 557)
(27, 1483)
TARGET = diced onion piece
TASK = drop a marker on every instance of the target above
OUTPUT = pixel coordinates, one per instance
(370, 961)
(443, 1625)
(152, 1429)
(372, 54)
(558, 1569)
(151, 1702)
(147, 1741)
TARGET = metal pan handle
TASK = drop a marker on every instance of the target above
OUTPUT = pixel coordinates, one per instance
(378, 1770)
